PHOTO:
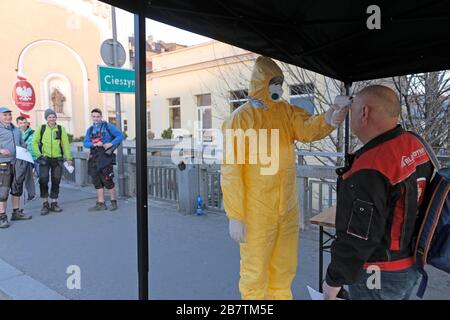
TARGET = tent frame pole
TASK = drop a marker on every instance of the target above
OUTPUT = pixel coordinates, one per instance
(347, 86)
(141, 153)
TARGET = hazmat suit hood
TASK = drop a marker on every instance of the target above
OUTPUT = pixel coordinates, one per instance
(264, 70)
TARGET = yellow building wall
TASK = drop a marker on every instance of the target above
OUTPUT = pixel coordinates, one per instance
(59, 43)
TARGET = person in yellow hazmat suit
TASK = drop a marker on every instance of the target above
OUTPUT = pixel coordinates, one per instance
(259, 181)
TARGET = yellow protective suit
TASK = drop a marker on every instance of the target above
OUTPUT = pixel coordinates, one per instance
(267, 203)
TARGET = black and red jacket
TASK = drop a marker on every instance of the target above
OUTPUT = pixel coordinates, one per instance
(378, 197)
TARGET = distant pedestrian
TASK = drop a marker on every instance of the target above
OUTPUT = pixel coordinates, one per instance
(27, 136)
(12, 171)
(102, 138)
(51, 146)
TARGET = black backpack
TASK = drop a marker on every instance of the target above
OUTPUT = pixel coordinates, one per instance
(111, 150)
(104, 125)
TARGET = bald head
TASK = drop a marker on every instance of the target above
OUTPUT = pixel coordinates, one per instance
(375, 110)
(382, 99)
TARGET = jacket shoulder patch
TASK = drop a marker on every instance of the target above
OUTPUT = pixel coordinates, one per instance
(396, 159)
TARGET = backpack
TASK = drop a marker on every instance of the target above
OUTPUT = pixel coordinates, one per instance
(433, 240)
(91, 129)
(43, 127)
(112, 149)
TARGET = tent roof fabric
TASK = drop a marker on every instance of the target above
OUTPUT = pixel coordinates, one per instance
(328, 37)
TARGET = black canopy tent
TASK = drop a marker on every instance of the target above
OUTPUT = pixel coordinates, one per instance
(324, 36)
(328, 37)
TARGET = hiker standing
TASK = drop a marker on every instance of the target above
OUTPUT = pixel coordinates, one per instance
(102, 138)
(12, 171)
(51, 146)
(27, 136)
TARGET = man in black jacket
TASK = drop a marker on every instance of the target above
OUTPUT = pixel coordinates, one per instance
(379, 195)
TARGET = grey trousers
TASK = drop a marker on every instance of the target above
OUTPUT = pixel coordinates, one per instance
(29, 182)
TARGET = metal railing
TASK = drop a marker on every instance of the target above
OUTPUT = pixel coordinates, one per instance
(213, 190)
(316, 180)
(321, 195)
(163, 183)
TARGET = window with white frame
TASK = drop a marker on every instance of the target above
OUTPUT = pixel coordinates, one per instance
(302, 96)
(238, 98)
(174, 113)
(204, 110)
(204, 115)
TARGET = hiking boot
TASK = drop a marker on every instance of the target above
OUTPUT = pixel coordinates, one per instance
(99, 206)
(55, 208)
(19, 215)
(113, 205)
(45, 209)
(31, 198)
(4, 221)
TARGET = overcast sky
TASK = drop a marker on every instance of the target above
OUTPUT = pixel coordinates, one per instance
(125, 23)
(168, 33)
(158, 30)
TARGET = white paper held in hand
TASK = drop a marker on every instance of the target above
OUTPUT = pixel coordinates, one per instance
(68, 167)
(23, 154)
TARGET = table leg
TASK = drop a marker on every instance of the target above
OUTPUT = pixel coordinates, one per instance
(320, 258)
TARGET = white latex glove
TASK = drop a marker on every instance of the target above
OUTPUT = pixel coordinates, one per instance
(237, 230)
(339, 116)
(329, 115)
(335, 115)
(337, 112)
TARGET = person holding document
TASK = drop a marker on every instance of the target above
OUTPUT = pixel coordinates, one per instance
(51, 146)
(12, 171)
(27, 135)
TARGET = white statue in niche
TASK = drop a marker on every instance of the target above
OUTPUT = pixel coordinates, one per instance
(58, 99)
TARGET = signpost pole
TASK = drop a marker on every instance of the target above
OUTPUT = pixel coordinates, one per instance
(120, 163)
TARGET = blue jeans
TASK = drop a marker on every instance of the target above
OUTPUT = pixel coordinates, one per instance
(394, 285)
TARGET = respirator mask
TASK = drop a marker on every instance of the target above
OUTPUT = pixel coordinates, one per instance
(275, 92)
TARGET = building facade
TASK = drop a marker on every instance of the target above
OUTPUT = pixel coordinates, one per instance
(55, 45)
(192, 90)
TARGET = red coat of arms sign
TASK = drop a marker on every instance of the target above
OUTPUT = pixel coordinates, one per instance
(23, 95)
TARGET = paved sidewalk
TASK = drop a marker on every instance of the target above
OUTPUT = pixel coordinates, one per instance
(191, 257)
(4, 296)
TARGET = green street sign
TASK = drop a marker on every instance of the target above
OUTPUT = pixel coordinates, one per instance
(116, 80)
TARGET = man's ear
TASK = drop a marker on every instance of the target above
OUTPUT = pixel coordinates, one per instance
(365, 114)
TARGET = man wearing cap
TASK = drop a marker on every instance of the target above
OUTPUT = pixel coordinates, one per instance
(11, 173)
(51, 146)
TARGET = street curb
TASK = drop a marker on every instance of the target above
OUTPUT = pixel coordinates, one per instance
(16, 285)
